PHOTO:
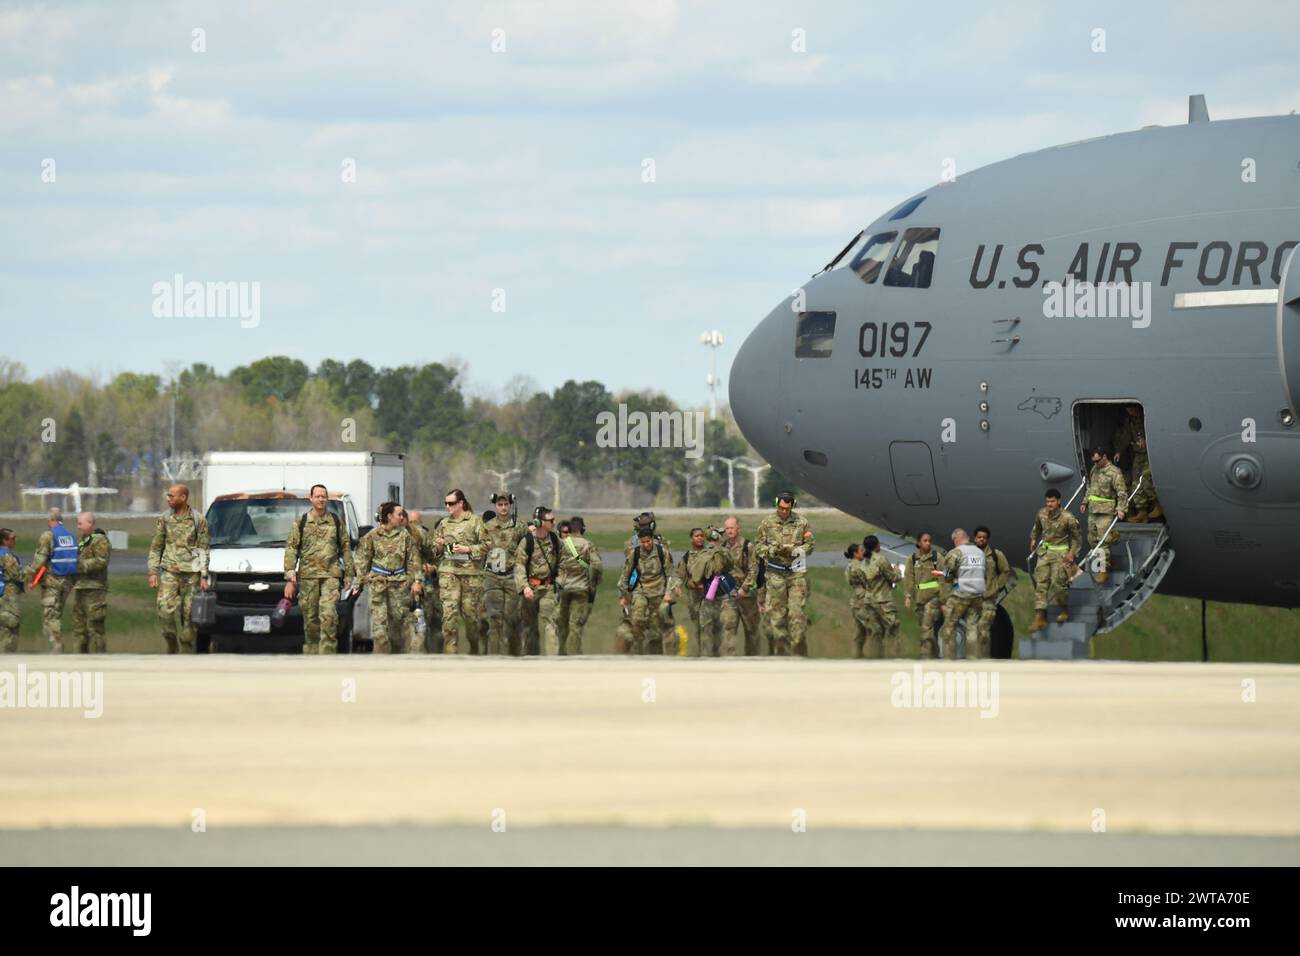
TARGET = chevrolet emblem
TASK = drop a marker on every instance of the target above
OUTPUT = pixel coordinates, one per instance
(258, 586)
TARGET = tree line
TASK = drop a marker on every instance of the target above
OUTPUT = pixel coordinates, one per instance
(52, 428)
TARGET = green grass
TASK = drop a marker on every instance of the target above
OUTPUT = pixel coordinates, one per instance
(1166, 629)
(132, 626)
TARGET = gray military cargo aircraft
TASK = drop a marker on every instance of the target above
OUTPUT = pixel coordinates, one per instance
(958, 357)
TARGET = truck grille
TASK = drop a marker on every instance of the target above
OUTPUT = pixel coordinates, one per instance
(246, 590)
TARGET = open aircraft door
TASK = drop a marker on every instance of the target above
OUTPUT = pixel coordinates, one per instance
(1288, 330)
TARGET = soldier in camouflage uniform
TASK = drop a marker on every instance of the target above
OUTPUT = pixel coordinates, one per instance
(740, 606)
(648, 596)
(1145, 503)
(462, 545)
(783, 542)
(90, 593)
(500, 597)
(882, 613)
(11, 585)
(579, 576)
(387, 563)
(537, 568)
(963, 566)
(855, 576)
(317, 556)
(56, 552)
(1131, 448)
(997, 573)
(1107, 499)
(623, 634)
(925, 591)
(705, 560)
(1056, 539)
(178, 560)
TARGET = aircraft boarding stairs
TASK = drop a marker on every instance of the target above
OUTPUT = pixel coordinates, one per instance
(1138, 564)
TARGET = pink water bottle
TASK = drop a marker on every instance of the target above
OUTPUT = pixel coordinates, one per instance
(281, 613)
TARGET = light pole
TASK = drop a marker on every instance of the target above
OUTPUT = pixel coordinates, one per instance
(503, 477)
(731, 477)
(172, 453)
(688, 477)
(712, 340)
(555, 476)
(754, 470)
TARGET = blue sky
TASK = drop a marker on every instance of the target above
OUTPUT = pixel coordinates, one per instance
(522, 170)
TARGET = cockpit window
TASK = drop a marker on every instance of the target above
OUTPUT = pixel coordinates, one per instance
(814, 335)
(913, 264)
(872, 256)
(907, 209)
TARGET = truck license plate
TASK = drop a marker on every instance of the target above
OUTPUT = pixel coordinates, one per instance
(259, 624)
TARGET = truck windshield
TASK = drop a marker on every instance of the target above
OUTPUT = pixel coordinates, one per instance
(258, 522)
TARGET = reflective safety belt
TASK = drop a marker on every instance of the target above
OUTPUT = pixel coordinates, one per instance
(573, 552)
(378, 570)
(1056, 547)
(926, 585)
(1098, 498)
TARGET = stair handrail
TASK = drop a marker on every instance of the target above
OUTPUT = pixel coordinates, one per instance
(1082, 485)
(1125, 608)
(1156, 549)
(1065, 508)
(1102, 540)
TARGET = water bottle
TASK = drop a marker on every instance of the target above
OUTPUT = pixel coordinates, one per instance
(419, 620)
(281, 613)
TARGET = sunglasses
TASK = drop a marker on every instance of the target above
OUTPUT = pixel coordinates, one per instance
(450, 503)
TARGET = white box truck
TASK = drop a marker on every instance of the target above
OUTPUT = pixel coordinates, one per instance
(252, 499)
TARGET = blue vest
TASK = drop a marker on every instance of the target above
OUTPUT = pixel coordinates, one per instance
(64, 559)
(4, 553)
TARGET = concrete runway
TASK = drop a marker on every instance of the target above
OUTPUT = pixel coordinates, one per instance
(651, 760)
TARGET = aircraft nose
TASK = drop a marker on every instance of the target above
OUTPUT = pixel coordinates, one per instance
(755, 386)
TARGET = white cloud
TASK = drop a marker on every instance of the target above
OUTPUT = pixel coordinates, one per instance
(523, 169)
